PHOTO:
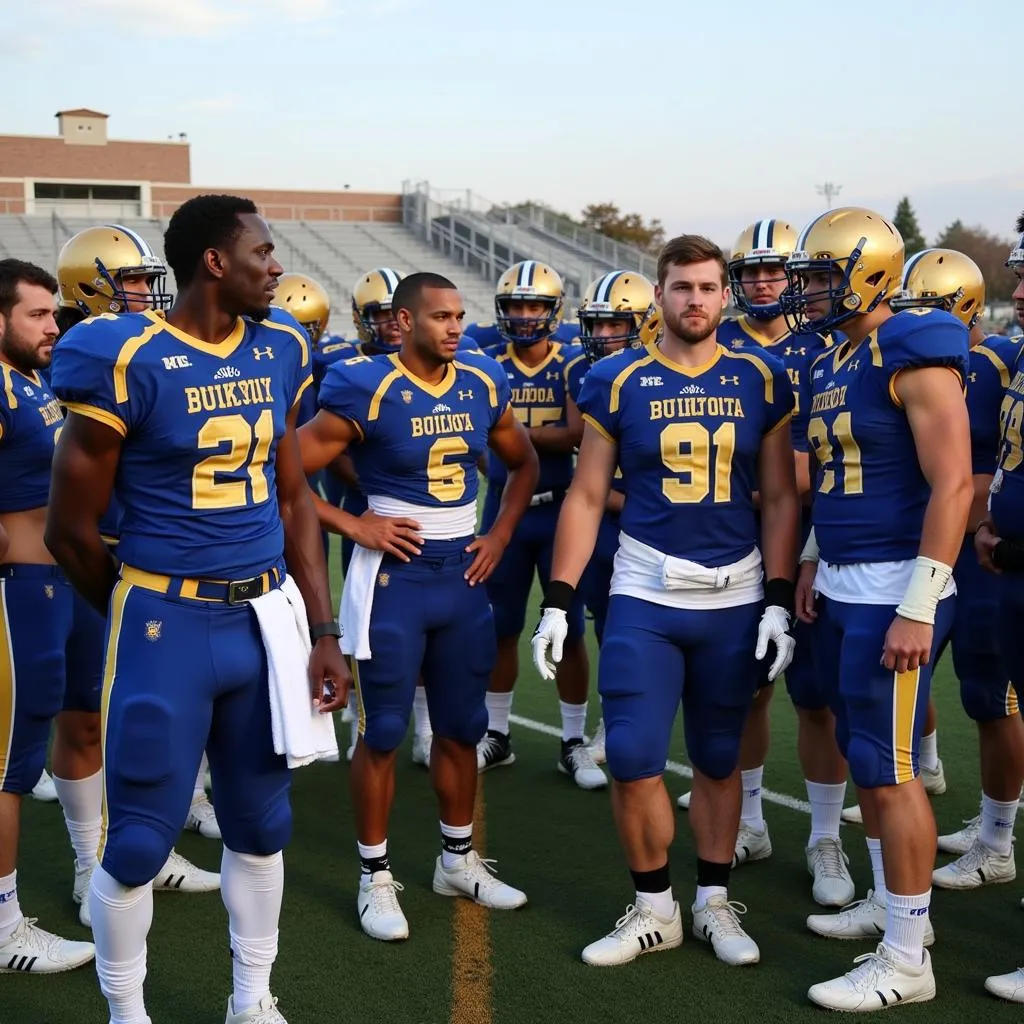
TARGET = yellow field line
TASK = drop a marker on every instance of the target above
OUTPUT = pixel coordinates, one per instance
(472, 971)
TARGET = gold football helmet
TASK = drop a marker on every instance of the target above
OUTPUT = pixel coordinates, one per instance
(860, 248)
(764, 241)
(945, 279)
(622, 295)
(1016, 258)
(372, 294)
(529, 281)
(94, 263)
(307, 300)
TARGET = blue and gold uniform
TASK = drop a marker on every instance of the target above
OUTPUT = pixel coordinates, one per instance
(686, 594)
(486, 334)
(417, 456)
(539, 396)
(868, 516)
(36, 603)
(201, 535)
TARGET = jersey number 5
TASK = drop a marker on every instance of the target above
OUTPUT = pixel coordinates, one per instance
(446, 481)
(1011, 417)
(686, 450)
(849, 457)
(249, 446)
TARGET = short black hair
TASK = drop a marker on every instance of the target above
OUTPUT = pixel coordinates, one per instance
(15, 272)
(407, 294)
(67, 317)
(201, 223)
(1020, 224)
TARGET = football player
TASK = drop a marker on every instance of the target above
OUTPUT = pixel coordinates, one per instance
(999, 540)
(757, 277)
(107, 271)
(528, 305)
(949, 280)
(617, 311)
(890, 434)
(414, 604)
(307, 300)
(696, 428)
(487, 335)
(193, 414)
(35, 598)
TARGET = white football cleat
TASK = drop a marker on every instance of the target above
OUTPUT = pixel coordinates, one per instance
(979, 866)
(264, 1012)
(202, 818)
(829, 867)
(596, 745)
(878, 981)
(852, 815)
(640, 930)
(494, 751)
(31, 950)
(421, 746)
(751, 845)
(718, 922)
(576, 762)
(684, 801)
(44, 790)
(864, 919)
(380, 915)
(1007, 986)
(934, 780)
(350, 715)
(475, 878)
(962, 841)
(80, 893)
(181, 875)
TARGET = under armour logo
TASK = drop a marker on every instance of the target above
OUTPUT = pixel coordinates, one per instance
(729, 380)
(465, 395)
(792, 351)
(972, 377)
(551, 375)
(853, 366)
(259, 353)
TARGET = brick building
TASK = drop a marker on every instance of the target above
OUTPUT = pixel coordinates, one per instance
(81, 172)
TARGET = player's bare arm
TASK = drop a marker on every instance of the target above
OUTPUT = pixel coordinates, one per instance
(304, 555)
(510, 442)
(82, 484)
(780, 505)
(323, 441)
(344, 470)
(560, 439)
(933, 399)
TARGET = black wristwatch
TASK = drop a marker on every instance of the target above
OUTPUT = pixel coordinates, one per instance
(322, 629)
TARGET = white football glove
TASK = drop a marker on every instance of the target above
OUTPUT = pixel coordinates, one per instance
(551, 632)
(774, 625)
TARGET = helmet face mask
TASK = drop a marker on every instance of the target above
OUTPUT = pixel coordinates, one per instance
(371, 311)
(942, 279)
(623, 298)
(765, 243)
(528, 303)
(813, 283)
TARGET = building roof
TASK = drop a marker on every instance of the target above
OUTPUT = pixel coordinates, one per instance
(81, 112)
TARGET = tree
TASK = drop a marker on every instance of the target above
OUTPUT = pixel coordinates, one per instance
(629, 227)
(988, 251)
(905, 221)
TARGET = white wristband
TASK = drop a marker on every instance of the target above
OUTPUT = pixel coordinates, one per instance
(927, 583)
(810, 551)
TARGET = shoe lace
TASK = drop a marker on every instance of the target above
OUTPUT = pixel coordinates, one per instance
(870, 968)
(829, 859)
(580, 759)
(727, 915)
(633, 913)
(32, 937)
(482, 869)
(384, 896)
(202, 810)
(972, 860)
(268, 1015)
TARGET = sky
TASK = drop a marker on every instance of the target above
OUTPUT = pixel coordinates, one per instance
(705, 115)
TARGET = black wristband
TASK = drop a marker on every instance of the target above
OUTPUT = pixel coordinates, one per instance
(780, 592)
(1008, 555)
(558, 595)
(322, 629)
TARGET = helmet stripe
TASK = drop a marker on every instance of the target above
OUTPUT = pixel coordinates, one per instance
(140, 243)
(604, 287)
(390, 279)
(755, 236)
(911, 263)
(802, 241)
(769, 232)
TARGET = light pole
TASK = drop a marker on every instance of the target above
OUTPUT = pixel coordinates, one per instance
(829, 191)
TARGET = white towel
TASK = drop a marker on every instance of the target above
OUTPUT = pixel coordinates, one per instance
(299, 730)
(357, 602)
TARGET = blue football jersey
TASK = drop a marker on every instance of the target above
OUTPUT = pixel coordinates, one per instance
(419, 442)
(30, 421)
(201, 423)
(796, 352)
(487, 335)
(1007, 498)
(988, 377)
(870, 493)
(538, 400)
(688, 444)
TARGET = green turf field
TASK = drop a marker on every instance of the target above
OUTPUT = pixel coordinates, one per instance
(469, 966)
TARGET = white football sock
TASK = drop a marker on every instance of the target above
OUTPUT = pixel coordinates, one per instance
(252, 888)
(199, 789)
(461, 839)
(82, 803)
(121, 919)
(574, 720)
(997, 820)
(826, 800)
(661, 903)
(906, 919)
(877, 868)
(751, 813)
(499, 707)
(420, 714)
(928, 755)
(378, 851)
(705, 892)
(10, 908)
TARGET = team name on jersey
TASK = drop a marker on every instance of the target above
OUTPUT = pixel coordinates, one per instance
(695, 406)
(231, 395)
(530, 394)
(833, 398)
(441, 423)
(51, 413)
(794, 376)
(1017, 384)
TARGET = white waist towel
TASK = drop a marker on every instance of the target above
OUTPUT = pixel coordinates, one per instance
(300, 732)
